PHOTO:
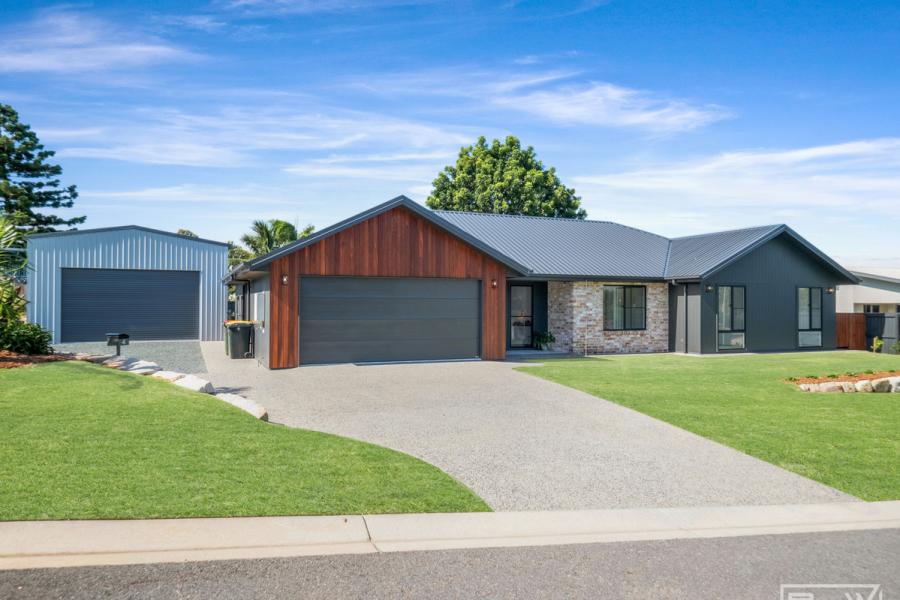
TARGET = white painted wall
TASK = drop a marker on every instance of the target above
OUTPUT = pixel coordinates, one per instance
(878, 286)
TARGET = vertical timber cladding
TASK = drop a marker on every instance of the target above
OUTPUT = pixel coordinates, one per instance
(396, 243)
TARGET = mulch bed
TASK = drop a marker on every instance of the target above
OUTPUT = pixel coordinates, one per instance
(11, 360)
(845, 377)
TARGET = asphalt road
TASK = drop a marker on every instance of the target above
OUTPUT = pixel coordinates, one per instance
(748, 567)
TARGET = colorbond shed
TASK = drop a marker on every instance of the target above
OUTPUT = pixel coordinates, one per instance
(153, 285)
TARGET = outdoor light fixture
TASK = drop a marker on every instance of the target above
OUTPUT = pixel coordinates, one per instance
(493, 283)
(829, 290)
(284, 279)
(709, 289)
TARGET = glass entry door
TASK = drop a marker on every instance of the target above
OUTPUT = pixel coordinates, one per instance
(521, 316)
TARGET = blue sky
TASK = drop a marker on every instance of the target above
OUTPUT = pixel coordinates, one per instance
(675, 117)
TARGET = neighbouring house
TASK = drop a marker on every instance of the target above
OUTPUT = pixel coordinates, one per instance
(153, 285)
(878, 291)
(401, 282)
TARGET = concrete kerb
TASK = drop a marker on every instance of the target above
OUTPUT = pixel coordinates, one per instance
(47, 544)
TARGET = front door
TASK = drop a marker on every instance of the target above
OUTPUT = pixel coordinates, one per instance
(521, 316)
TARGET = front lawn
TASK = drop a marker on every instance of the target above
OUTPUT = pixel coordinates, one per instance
(848, 441)
(86, 442)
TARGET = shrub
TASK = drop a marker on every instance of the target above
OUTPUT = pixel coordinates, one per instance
(877, 344)
(24, 338)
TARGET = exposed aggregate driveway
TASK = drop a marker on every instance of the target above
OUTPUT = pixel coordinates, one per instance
(520, 442)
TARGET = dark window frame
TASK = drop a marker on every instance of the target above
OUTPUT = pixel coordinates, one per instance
(626, 310)
(509, 319)
(809, 313)
(732, 329)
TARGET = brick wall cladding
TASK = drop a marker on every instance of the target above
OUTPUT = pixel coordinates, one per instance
(576, 319)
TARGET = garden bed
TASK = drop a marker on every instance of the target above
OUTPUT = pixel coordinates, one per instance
(852, 376)
(12, 360)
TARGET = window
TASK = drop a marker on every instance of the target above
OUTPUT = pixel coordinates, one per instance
(732, 317)
(624, 307)
(809, 317)
(871, 308)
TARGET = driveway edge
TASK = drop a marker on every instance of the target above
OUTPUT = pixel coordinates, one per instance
(53, 544)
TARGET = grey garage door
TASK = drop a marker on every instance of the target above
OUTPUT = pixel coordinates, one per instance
(148, 305)
(376, 319)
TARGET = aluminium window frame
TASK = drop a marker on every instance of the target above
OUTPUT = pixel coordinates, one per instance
(809, 313)
(743, 329)
(625, 309)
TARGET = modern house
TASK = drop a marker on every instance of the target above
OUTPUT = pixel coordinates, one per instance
(401, 282)
(878, 291)
(153, 285)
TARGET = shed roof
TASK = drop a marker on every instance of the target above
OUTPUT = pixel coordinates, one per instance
(123, 228)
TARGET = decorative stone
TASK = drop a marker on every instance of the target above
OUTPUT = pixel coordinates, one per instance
(97, 358)
(804, 387)
(882, 385)
(864, 386)
(848, 386)
(194, 383)
(119, 362)
(245, 404)
(145, 366)
(831, 386)
(169, 376)
(895, 384)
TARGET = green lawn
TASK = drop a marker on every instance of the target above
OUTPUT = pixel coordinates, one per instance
(848, 441)
(86, 442)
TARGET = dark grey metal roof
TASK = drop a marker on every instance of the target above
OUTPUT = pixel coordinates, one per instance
(696, 255)
(568, 247)
(122, 228)
(550, 247)
(260, 262)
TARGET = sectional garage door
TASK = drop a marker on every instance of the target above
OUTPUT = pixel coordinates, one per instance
(148, 305)
(377, 319)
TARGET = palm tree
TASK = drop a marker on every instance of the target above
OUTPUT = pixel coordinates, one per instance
(266, 236)
(12, 265)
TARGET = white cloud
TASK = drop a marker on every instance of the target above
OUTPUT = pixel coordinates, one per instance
(410, 167)
(843, 196)
(609, 105)
(64, 41)
(553, 94)
(302, 7)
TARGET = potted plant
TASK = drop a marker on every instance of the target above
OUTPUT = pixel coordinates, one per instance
(543, 339)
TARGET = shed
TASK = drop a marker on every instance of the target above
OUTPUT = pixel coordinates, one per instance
(151, 284)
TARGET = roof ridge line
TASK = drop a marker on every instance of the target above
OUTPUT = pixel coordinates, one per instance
(567, 219)
(696, 235)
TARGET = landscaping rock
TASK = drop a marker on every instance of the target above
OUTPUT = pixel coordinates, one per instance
(895, 384)
(143, 367)
(169, 376)
(804, 387)
(97, 358)
(194, 383)
(882, 385)
(119, 362)
(245, 404)
(848, 386)
(864, 386)
(831, 386)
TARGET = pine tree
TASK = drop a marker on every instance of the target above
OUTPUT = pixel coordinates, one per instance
(28, 182)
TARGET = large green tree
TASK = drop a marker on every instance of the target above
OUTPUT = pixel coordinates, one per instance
(266, 236)
(503, 178)
(28, 183)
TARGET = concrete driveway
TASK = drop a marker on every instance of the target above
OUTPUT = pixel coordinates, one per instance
(520, 442)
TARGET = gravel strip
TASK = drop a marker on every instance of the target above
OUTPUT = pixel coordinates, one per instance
(184, 357)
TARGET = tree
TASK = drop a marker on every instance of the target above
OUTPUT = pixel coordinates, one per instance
(266, 236)
(237, 255)
(503, 178)
(27, 181)
(187, 232)
(12, 264)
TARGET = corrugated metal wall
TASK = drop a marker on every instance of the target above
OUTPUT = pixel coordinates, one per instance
(124, 249)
